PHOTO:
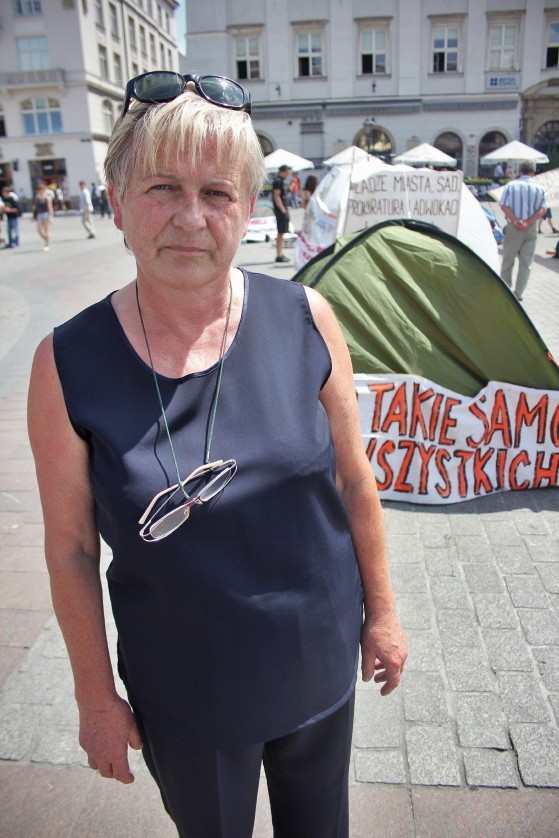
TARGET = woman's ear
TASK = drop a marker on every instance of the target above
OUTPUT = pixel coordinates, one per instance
(115, 204)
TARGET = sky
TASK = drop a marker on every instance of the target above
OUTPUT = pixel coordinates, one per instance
(180, 17)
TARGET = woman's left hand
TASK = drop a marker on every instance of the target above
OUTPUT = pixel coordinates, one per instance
(384, 649)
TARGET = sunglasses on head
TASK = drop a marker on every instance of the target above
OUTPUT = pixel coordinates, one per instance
(164, 86)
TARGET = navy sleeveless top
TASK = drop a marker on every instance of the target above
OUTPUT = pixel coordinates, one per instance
(243, 625)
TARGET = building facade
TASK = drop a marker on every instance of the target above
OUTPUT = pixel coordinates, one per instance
(463, 75)
(63, 68)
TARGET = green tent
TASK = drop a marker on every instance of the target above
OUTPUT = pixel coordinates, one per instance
(412, 299)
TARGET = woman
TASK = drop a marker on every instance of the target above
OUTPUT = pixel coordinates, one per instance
(44, 214)
(236, 590)
(306, 193)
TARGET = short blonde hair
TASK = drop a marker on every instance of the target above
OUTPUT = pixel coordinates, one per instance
(180, 128)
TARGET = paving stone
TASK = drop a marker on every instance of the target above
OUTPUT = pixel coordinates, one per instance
(404, 549)
(378, 719)
(424, 697)
(495, 611)
(549, 574)
(506, 649)
(436, 533)
(425, 652)
(380, 767)
(529, 522)
(548, 665)
(483, 578)
(59, 746)
(432, 755)
(492, 508)
(554, 701)
(521, 697)
(400, 520)
(537, 748)
(541, 628)
(441, 562)
(480, 721)
(502, 532)
(542, 548)
(527, 591)
(19, 726)
(466, 524)
(467, 670)
(458, 629)
(414, 611)
(474, 548)
(514, 559)
(496, 769)
(408, 579)
(449, 592)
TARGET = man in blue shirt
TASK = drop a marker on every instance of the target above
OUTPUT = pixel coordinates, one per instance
(523, 203)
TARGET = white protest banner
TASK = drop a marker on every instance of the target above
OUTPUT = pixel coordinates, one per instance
(422, 194)
(431, 445)
(549, 181)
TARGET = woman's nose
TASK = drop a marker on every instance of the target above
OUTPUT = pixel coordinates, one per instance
(190, 211)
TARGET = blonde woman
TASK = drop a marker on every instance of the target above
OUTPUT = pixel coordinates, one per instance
(44, 214)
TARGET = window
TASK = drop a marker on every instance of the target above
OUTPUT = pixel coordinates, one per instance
(373, 44)
(27, 7)
(33, 54)
(113, 17)
(143, 41)
(167, 23)
(451, 144)
(99, 18)
(117, 64)
(41, 116)
(169, 60)
(135, 69)
(132, 32)
(161, 56)
(103, 62)
(309, 54)
(247, 57)
(152, 47)
(108, 116)
(445, 41)
(502, 46)
(159, 18)
(552, 52)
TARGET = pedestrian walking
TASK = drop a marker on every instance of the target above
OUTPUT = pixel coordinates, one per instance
(13, 213)
(86, 210)
(43, 213)
(549, 218)
(258, 560)
(523, 203)
(279, 200)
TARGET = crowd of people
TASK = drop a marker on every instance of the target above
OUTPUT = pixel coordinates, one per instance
(48, 199)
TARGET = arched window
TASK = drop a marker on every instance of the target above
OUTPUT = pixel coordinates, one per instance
(451, 144)
(41, 116)
(265, 144)
(491, 141)
(108, 116)
(374, 140)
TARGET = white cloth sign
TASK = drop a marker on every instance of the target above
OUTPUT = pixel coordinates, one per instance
(431, 445)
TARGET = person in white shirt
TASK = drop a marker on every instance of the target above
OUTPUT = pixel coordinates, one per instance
(86, 210)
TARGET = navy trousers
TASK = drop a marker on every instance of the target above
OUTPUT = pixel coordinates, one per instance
(212, 794)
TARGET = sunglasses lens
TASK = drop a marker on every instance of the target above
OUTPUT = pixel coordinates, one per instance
(158, 87)
(222, 92)
(218, 484)
(169, 523)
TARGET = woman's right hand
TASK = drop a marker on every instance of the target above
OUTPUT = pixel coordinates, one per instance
(105, 735)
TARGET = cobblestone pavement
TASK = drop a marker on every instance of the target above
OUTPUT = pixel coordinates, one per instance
(468, 746)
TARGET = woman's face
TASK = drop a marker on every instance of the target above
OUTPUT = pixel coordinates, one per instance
(184, 222)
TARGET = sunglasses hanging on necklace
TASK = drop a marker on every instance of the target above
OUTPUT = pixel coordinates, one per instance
(215, 397)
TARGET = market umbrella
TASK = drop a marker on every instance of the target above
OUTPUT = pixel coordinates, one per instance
(425, 155)
(346, 157)
(514, 152)
(280, 157)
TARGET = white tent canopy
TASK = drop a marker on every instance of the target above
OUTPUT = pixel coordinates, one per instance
(425, 155)
(280, 157)
(514, 151)
(348, 156)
